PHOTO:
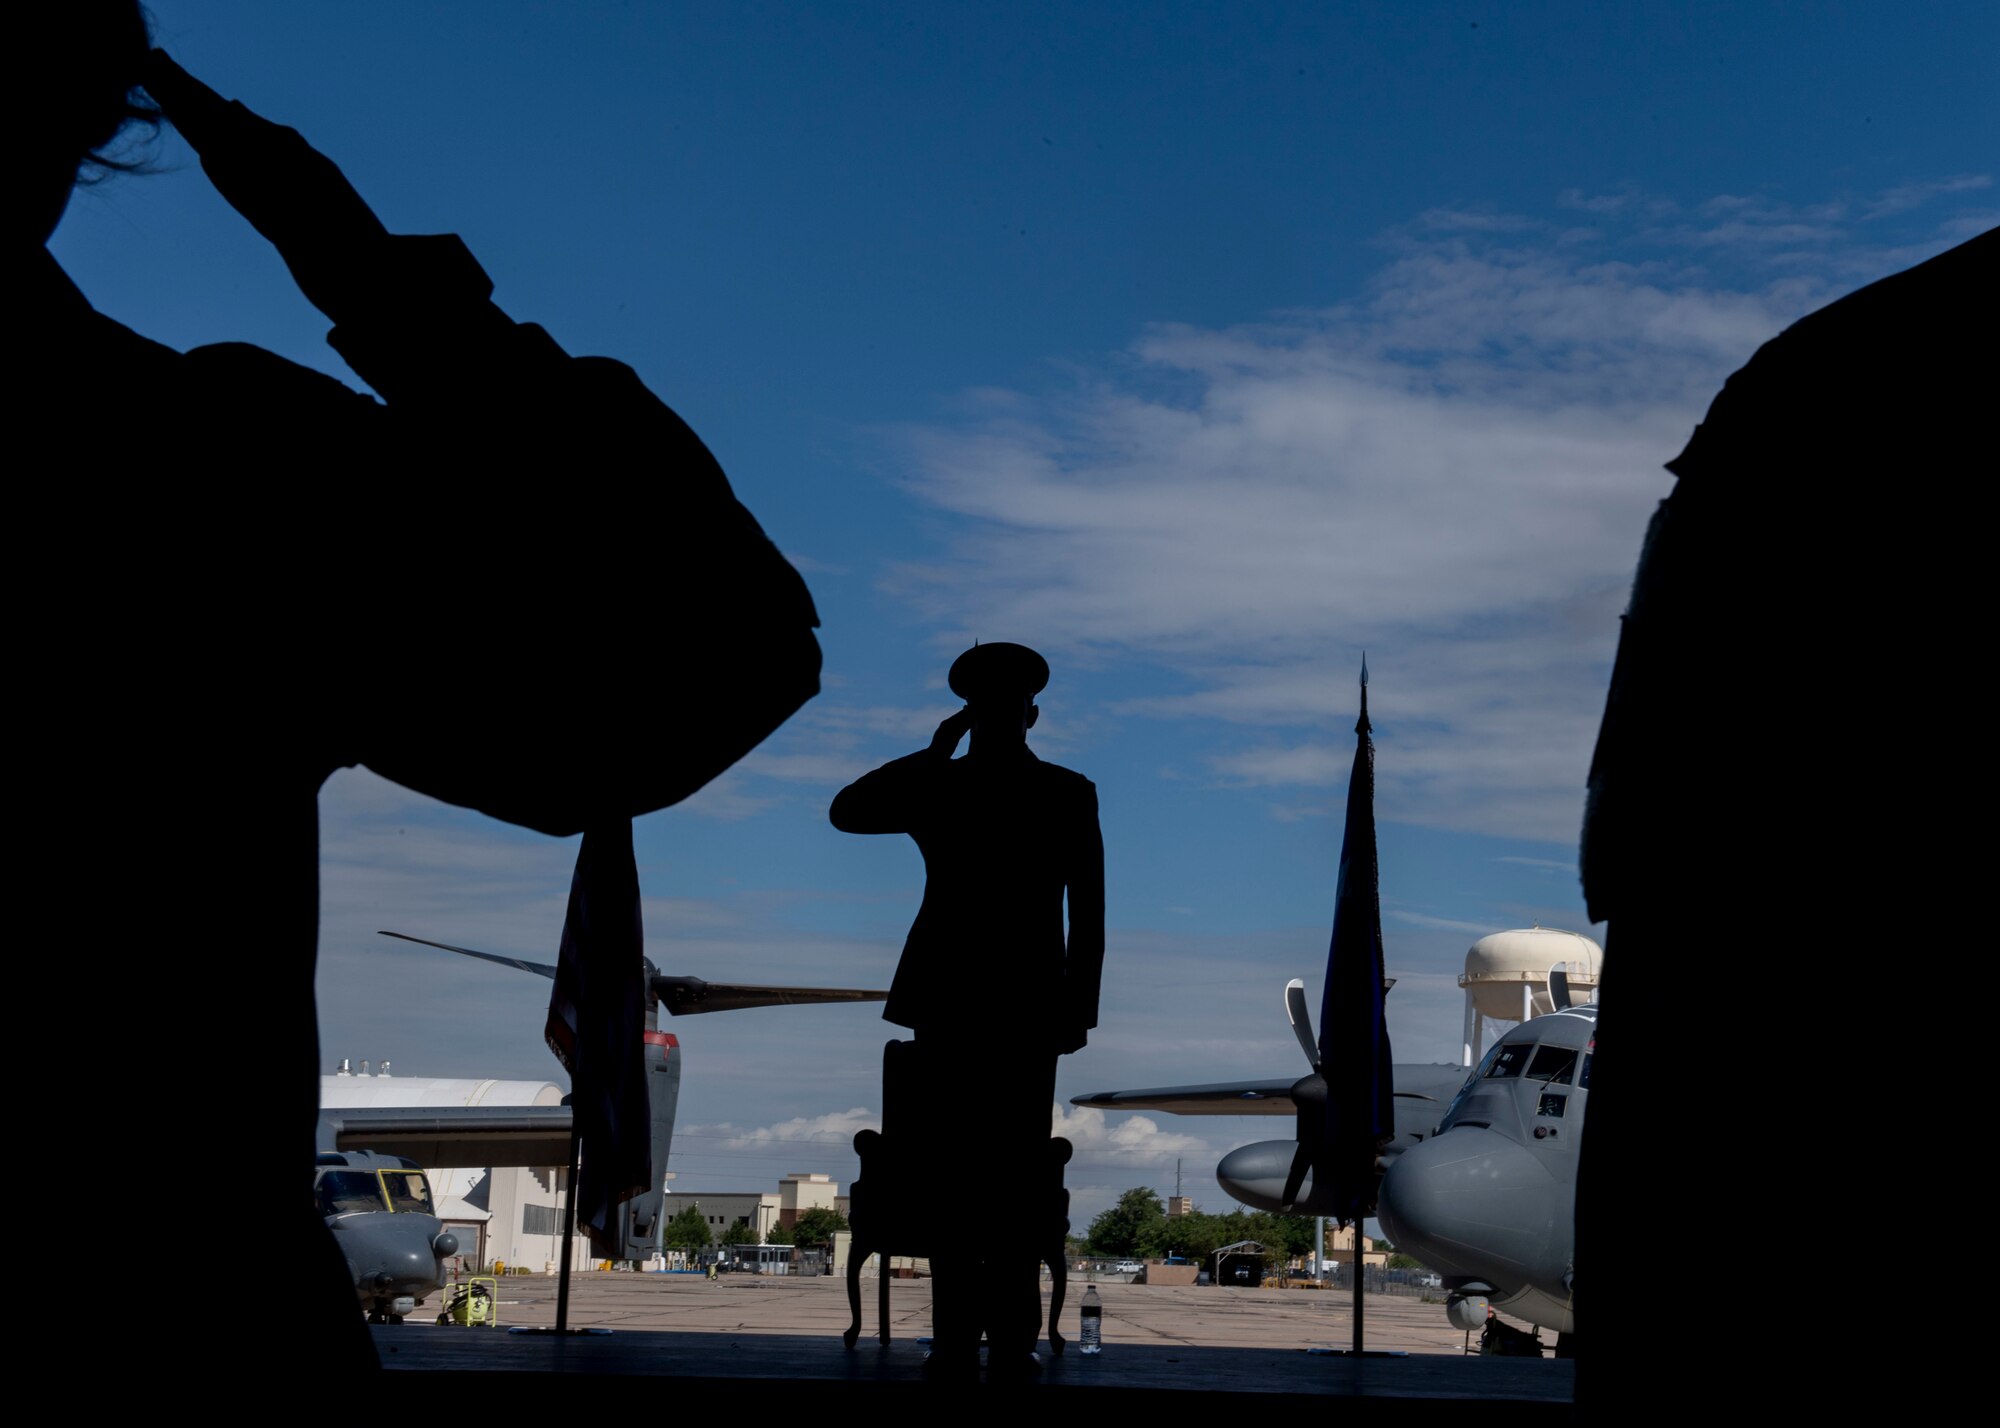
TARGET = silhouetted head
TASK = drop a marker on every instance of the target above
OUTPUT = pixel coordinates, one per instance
(85, 58)
(999, 682)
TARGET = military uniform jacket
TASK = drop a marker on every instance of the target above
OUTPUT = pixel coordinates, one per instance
(1005, 840)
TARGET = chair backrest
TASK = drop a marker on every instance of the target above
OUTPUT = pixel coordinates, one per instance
(903, 1089)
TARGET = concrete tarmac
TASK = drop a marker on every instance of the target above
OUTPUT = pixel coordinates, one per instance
(775, 1343)
(1162, 1315)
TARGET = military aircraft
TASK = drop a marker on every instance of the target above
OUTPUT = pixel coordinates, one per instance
(379, 1209)
(1479, 1182)
(539, 1135)
(1489, 1199)
(1259, 1174)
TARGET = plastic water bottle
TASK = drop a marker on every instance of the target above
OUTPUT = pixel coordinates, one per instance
(1090, 1336)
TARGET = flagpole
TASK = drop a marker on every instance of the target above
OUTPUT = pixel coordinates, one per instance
(1357, 1286)
(568, 1232)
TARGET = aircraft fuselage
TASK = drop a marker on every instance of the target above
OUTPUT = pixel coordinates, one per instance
(1489, 1199)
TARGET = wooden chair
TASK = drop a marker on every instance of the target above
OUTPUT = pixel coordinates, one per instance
(892, 1210)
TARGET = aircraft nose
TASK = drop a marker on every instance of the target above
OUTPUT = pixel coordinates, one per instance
(1472, 1203)
(398, 1249)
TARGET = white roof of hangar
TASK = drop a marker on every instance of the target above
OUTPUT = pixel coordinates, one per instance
(353, 1092)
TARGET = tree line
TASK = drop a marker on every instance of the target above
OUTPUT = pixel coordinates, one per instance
(1137, 1227)
(690, 1230)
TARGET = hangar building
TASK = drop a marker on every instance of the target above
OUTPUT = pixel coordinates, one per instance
(508, 1213)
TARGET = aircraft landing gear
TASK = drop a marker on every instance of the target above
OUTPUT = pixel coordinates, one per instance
(391, 1311)
(1503, 1340)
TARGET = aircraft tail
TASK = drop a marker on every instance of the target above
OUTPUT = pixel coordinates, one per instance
(642, 1220)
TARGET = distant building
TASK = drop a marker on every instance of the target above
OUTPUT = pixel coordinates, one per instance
(1179, 1205)
(1239, 1264)
(1340, 1247)
(761, 1211)
(805, 1190)
(719, 1209)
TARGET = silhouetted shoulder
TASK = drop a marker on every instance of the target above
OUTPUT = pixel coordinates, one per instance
(1868, 371)
(1067, 779)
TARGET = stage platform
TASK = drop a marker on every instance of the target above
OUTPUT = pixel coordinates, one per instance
(487, 1362)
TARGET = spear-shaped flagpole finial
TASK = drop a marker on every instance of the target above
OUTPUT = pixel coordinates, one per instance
(1362, 726)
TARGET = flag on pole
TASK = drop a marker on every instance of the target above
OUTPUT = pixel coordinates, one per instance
(1353, 1030)
(597, 1028)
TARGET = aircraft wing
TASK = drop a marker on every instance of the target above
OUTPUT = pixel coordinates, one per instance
(1218, 1098)
(452, 1137)
(540, 969)
(685, 996)
(1433, 1084)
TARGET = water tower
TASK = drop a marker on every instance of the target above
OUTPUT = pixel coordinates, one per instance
(1507, 978)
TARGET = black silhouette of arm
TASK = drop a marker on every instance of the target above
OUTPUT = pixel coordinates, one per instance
(413, 314)
(1083, 970)
(895, 797)
(890, 799)
(621, 562)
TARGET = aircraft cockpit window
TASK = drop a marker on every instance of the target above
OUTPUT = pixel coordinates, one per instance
(1553, 1063)
(1508, 1058)
(408, 1190)
(1484, 1067)
(349, 1192)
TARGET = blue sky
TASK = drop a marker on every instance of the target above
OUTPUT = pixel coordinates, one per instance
(1199, 346)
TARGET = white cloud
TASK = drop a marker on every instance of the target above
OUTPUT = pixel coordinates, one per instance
(1455, 477)
(1550, 865)
(728, 799)
(1904, 197)
(1447, 924)
(1626, 201)
(1453, 473)
(1133, 1140)
(1473, 220)
(835, 1128)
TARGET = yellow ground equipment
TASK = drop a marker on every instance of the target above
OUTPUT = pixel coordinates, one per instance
(473, 1304)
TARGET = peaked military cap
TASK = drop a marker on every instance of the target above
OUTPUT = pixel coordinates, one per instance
(998, 671)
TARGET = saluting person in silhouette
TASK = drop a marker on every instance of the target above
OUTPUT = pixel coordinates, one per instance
(990, 980)
(512, 579)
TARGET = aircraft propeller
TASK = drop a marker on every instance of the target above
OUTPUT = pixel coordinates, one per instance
(1308, 1092)
(682, 996)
